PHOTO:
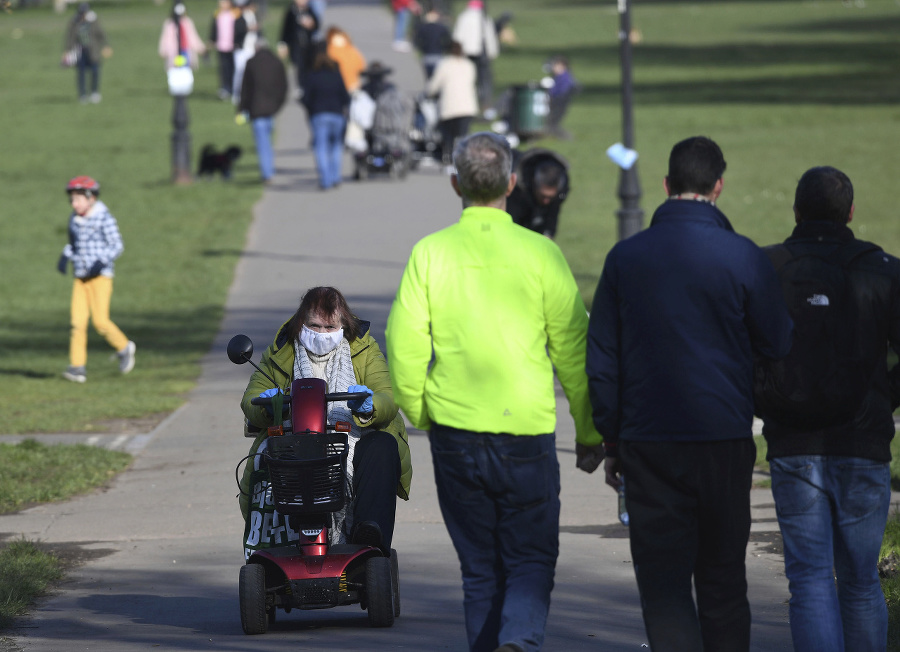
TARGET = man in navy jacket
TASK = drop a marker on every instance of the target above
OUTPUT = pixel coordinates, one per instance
(679, 312)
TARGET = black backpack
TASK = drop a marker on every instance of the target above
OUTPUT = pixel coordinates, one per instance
(823, 380)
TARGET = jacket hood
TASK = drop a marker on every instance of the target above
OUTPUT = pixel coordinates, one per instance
(524, 164)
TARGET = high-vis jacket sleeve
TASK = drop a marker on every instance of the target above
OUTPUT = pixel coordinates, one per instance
(408, 338)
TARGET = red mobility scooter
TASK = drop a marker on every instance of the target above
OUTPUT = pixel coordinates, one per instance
(306, 459)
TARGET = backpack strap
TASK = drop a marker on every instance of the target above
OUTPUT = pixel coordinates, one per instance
(846, 255)
(779, 254)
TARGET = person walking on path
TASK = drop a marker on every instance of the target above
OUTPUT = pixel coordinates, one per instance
(221, 35)
(297, 29)
(402, 10)
(475, 31)
(349, 59)
(326, 100)
(87, 40)
(679, 312)
(94, 243)
(246, 32)
(179, 37)
(491, 300)
(830, 459)
(454, 82)
(263, 92)
(432, 40)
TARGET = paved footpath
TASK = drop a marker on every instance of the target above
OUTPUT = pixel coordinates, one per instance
(164, 541)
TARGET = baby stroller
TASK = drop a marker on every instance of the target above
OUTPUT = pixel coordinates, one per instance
(386, 145)
(425, 135)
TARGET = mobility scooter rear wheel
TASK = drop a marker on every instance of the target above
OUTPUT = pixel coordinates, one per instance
(379, 592)
(253, 599)
(395, 582)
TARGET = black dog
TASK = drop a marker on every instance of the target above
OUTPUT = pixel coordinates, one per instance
(212, 161)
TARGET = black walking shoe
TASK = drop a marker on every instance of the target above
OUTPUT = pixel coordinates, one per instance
(367, 533)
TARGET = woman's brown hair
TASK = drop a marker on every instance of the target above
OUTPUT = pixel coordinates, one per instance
(327, 301)
(323, 61)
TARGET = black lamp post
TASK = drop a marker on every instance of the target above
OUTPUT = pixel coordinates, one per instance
(181, 83)
(630, 214)
(181, 141)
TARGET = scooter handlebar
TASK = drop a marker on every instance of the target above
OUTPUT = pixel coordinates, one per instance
(347, 396)
(336, 396)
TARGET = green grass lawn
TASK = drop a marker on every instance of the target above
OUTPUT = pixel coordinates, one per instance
(25, 573)
(181, 243)
(781, 86)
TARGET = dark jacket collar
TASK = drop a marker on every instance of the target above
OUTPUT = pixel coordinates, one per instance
(685, 210)
(821, 231)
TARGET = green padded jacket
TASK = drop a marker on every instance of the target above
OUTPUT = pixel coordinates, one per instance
(370, 369)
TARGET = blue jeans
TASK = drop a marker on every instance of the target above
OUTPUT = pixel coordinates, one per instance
(328, 134)
(318, 8)
(832, 512)
(499, 496)
(401, 20)
(262, 135)
(85, 64)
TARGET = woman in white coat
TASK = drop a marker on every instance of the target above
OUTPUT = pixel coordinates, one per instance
(454, 81)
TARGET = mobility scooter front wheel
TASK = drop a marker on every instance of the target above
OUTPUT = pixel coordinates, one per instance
(379, 592)
(253, 599)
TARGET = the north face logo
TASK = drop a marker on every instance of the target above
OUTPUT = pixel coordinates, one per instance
(818, 300)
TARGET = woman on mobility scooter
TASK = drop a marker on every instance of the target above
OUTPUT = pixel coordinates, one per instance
(325, 340)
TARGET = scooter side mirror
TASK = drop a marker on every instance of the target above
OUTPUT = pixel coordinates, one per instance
(240, 349)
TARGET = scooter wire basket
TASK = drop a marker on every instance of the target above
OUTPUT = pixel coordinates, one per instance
(307, 472)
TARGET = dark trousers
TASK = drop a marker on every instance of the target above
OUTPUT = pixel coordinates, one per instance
(226, 71)
(484, 83)
(451, 130)
(376, 473)
(499, 496)
(85, 64)
(689, 510)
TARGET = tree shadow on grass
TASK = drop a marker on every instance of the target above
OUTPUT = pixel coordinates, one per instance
(872, 80)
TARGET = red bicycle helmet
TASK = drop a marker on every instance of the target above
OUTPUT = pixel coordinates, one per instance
(84, 183)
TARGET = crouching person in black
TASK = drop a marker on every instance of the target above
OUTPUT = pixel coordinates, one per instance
(543, 183)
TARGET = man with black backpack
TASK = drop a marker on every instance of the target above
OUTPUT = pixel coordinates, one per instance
(827, 412)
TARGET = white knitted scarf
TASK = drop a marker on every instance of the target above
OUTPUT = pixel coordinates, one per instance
(338, 377)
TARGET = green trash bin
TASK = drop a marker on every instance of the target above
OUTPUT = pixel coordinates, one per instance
(529, 111)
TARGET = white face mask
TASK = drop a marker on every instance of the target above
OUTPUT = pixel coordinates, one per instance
(320, 343)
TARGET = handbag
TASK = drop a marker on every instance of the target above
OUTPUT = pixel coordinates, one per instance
(70, 57)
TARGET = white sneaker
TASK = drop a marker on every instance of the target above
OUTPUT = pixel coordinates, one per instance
(401, 46)
(95, 98)
(75, 374)
(126, 357)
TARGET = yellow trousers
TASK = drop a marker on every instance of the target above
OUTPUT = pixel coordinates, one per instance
(90, 301)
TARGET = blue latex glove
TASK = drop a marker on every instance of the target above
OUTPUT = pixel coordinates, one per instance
(269, 393)
(62, 263)
(358, 406)
(96, 268)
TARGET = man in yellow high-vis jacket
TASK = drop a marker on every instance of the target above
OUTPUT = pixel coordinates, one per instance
(492, 299)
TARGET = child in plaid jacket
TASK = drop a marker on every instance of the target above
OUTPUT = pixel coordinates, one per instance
(94, 243)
